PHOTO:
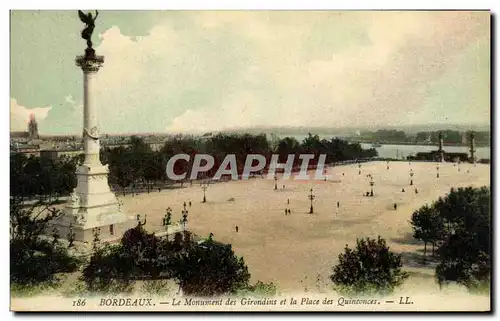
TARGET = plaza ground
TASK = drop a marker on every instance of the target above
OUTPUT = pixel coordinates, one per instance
(297, 251)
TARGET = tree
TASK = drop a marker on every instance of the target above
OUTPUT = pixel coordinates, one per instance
(465, 253)
(210, 269)
(35, 259)
(428, 226)
(66, 170)
(35, 176)
(109, 270)
(368, 269)
(260, 289)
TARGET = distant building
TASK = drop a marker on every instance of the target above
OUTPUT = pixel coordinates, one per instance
(33, 127)
(30, 134)
(27, 149)
(14, 135)
(54, 154)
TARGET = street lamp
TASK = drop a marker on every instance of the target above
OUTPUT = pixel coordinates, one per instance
(437, 173)
(96, 231)
(184, 217)
(311, 198)
(167, 220)
(204, 188)
(139, 220)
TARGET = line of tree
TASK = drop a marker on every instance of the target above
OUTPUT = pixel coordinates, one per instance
(138, 164)
(459, 226)
(35, 176)
(453, 137)
(209, 268)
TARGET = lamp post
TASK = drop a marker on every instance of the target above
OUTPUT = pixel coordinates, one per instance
(411, 175)
(275, 182)
(311, 198)
(184, 217)
(167, 220)
(139, 220)
(97, 240)
(437, 171)
(204, 188)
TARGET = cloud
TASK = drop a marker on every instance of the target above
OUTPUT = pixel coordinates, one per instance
(20, 115)
(69, 99)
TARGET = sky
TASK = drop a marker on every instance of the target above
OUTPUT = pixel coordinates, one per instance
(200, 71)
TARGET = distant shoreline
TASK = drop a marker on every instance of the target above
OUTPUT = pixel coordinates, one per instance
(415, 143)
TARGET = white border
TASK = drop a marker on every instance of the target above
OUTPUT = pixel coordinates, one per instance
(261, 4)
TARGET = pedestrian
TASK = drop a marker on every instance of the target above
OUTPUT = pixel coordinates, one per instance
(288, 201)
(159, 189)
(416, 191)
(237, 229)
(395, 206)
(286, 211)
(338, 204)
(403, 190)
(289, 211)
(283, 186)
(189, 203)
(343, 174)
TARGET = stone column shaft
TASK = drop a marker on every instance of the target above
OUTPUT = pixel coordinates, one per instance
(91, 146)
(90, 64)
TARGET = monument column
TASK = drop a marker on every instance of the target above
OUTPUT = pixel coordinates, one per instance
(90, 64)
(441, 151)
(472, 148)
(92, 204)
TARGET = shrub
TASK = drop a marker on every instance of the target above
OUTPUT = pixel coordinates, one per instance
(368, 269)
(210, 269)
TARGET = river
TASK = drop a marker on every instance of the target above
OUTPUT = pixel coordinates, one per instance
(402, 151)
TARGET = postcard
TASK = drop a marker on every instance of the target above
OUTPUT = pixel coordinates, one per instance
(250, 161)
